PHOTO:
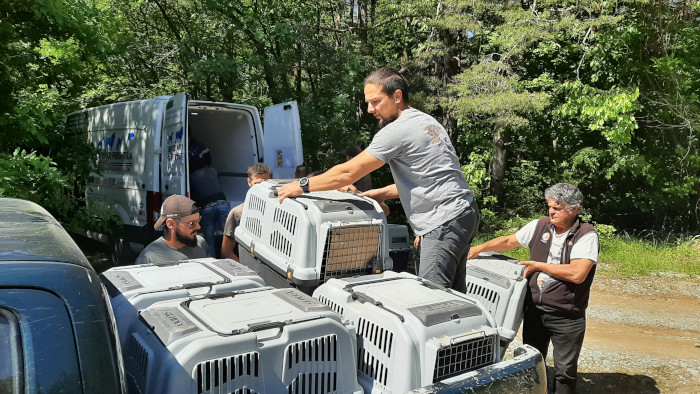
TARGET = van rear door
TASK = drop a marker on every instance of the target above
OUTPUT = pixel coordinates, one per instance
(173, 168)
(282, 139)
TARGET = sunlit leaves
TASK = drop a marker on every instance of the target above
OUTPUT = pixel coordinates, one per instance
(611, 112)
(490, 91)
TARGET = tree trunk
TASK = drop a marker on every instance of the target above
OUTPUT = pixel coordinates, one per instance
(297, 72)
(446, 68)
(497, 166)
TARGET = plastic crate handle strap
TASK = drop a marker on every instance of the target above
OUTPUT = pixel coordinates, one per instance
(462, 337)
(253, 327)
(362, 298)
(349, 286)
(194, 285)
(164, 263)
(276, 188)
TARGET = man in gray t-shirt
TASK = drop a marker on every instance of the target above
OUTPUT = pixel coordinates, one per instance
(427, 175)
(179, 217)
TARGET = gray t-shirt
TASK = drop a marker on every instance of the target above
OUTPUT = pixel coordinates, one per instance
(160, 252)
(425, 168)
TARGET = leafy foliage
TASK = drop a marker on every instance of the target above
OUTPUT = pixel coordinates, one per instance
(600, 94)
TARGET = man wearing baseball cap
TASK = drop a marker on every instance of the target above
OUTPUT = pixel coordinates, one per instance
(179, 217)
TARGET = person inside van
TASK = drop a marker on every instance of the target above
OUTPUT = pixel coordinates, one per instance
(302, 170)
(207, 192)
(179, 217)
(257, 173)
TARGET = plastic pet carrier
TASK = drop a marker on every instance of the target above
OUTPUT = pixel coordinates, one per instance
(399, 246)
(411, 332)
(305, 241)
(254, 341)
(132, 288)
(496, 281)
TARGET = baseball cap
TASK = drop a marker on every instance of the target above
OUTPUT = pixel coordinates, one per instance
(175, 206)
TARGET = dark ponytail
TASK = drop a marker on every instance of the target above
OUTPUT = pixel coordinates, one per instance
(390, 80)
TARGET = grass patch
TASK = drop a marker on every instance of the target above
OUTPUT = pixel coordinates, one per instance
(629, 257)
(626, 256)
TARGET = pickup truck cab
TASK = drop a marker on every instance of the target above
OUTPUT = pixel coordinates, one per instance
(57, 331)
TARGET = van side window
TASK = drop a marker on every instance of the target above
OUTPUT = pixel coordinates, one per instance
(10, 361)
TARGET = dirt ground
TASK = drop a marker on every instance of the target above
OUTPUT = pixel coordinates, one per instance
(642, 336)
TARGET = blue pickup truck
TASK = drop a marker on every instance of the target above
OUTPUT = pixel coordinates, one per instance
(57, 333)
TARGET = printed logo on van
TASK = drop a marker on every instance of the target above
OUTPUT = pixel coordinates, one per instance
(178, 136)
(111, 155)
(176, 146)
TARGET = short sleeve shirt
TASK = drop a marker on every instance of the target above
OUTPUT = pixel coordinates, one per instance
(233, 220)
(425, 167)
(159, 251)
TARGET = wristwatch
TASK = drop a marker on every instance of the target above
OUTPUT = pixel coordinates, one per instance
(304, 184)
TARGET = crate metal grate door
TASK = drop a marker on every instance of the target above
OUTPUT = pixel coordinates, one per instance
(349, 251)
(463, 357)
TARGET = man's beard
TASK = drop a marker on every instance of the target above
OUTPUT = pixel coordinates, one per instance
(385, 121)
(185, 239)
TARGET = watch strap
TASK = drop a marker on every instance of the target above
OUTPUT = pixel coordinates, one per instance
(304, 184)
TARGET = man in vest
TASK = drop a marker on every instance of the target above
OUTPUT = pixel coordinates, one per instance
(563, 256)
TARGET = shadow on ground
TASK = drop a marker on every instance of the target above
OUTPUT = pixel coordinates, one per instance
(614, 382)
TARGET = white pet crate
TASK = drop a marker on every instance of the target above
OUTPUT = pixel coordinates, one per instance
(132, 288)
(411, 332)
(305, 241)
(497, 282)
(255, 341)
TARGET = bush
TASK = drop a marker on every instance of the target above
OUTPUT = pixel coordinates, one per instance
(31, 176)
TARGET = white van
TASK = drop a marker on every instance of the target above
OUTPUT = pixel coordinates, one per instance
(143, 157)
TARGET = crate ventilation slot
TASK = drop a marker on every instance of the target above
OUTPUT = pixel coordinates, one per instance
(380, 337)
(371, 367)
(314, 383)
(488, 297)
(312, 351)
(335, 307)
(286, 220)
(139, 354)
(230, 374)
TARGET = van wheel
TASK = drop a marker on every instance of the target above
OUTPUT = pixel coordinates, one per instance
(120, 252)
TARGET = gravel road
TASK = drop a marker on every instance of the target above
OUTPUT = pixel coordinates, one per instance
(643, 336)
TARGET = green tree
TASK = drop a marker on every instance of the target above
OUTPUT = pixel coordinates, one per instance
(47, 53)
